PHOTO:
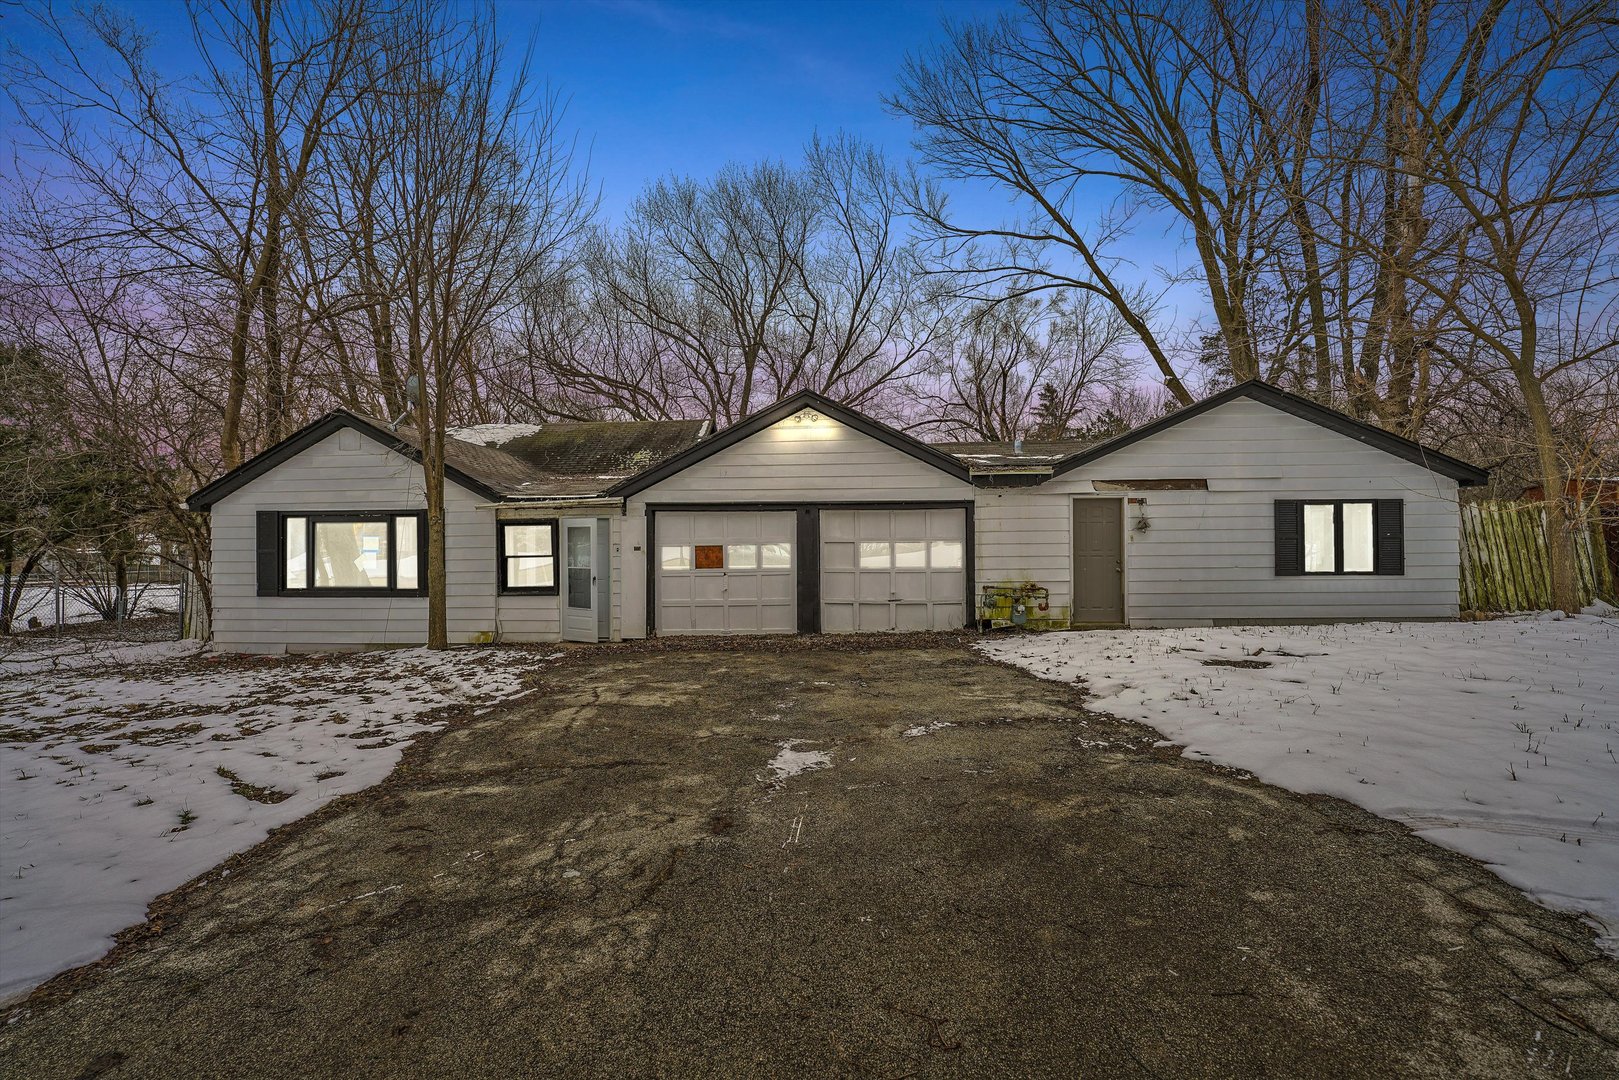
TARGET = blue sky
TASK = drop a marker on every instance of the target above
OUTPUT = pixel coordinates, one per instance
(661, 87)
(658, 86)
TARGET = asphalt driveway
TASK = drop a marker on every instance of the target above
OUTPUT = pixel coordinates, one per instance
(608, 878)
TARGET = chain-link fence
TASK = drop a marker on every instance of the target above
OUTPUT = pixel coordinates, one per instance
(67, 595)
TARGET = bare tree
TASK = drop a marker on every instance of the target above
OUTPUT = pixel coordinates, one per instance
(191, 182)
(1147, 108)
(718, 296)
(473, 199)
(1520, 134)
(1035, 366)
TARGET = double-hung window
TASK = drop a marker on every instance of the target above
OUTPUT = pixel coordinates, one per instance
(1340, 536)
(528, 557)
(344, 554)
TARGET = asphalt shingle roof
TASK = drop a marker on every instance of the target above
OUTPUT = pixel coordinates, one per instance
(564, 459)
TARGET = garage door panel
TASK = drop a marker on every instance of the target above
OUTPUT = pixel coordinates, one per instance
(876, 587)
(839, 586)
(709, 620)
(838, 618)
(909, 524)
(734, 571)
(910, 618)
(704, 588)
(912, 587)
(909, 569)
(875, 618)
(946, 525)
(779, 618)
(838, 527)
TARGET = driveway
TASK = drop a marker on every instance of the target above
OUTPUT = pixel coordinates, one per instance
(608, 878)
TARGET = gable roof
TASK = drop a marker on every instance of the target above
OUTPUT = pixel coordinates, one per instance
(607, 450)
(774, 414)
(577, 460)
(1267, 394)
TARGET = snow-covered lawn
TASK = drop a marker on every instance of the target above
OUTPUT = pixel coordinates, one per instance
(1498, 739)
(127, 770)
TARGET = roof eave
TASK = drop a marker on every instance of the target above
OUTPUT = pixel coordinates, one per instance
(256, 466)
(1464, 474)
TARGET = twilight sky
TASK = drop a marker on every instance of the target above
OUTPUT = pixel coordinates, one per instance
(668, 86)
(656, 87)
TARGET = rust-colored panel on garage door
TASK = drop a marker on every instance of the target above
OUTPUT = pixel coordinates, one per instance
(710, 557)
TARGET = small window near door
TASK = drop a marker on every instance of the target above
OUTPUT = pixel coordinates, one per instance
(528, 557)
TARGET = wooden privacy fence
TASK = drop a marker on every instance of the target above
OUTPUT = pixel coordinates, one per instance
(1504, 561)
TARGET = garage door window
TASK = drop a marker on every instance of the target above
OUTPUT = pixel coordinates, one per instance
(910, 555)
(945, 555)
(725, 556)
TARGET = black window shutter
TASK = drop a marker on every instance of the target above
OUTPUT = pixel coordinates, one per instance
(1389, 524)
(269, 549)
(1289, 537)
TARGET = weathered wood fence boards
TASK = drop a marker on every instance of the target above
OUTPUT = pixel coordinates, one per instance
(1504, 561)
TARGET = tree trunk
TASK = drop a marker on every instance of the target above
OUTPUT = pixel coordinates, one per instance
(1560, 524)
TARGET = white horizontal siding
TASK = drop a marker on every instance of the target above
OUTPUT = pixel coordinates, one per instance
(328, 477)
(1210, 555)
(822, 461)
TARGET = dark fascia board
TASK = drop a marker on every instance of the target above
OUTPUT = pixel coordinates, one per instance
(1464, 474)
(774, 414)
(302, 439)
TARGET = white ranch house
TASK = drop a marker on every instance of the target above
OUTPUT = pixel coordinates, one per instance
(1252, 506)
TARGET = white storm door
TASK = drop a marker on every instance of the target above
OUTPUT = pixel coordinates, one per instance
(580, 620)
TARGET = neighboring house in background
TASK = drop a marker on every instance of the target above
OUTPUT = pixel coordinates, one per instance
(1254, 505)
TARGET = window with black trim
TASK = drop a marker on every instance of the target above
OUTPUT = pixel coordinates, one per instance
(528, 556)
(1340, 536)
(352, 554)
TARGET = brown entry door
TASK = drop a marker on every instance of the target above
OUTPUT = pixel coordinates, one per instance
(1098, 562)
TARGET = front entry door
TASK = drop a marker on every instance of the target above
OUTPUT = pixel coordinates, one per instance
(1098, 562)
(580, 621)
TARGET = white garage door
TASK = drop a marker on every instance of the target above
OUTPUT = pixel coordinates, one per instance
(893, 570)
(726, 572)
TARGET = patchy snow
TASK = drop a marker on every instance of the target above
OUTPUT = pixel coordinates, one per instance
(925, 729)
(789, 762)
(492, 434)
(130, 769)
(1499, 739)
